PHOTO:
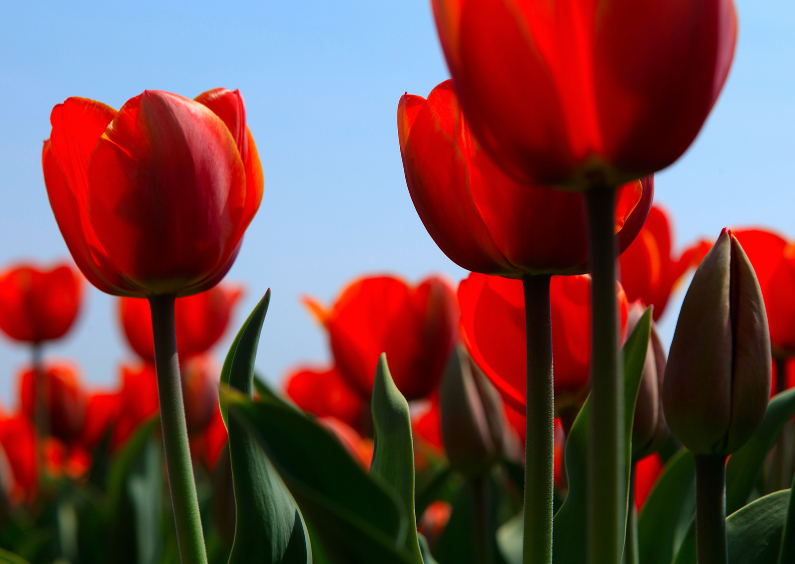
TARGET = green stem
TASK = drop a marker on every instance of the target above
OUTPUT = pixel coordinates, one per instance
(711, 543)
(540, 447)
(787, 551)
(606, 458)
(631, 555)
(481, 520)
(175, 434)
(40, 418)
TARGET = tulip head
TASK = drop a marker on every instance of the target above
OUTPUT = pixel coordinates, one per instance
(38, 305)
(481, 218)
(63, 398)
(649, 429)
(324, 393)
(199, 376)
(471, 414)
(579, 93)
(717, 381)
(155, 198)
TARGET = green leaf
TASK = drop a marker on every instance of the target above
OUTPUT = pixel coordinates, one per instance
(668, 512)
(123, 463)
(569, 546)
(754, 532)
(357, 518)
(427, 557)
(510, 537)
(269, 526)
(10, 558)
(745, 465)
(393, 449)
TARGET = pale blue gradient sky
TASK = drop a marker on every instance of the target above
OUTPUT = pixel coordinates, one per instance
(321, 83)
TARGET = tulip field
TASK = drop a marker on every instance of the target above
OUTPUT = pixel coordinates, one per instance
(531, 412)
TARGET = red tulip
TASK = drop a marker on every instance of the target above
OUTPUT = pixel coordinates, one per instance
(102, 410)
(360, 449)
(139, 400)
(38, 305)
(427, 425)
(497, 225)
(434, 520)
(18, 439)
(325, 393)
(414, 326)
(63, 397)
(647, 471)
(214, 439)
(155, 198)
(201, 321)
(200, 377)
(581, 93)
(773, 260)
(493, 329)
(649, 269)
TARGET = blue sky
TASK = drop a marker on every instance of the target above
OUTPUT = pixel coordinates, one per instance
(321, 83)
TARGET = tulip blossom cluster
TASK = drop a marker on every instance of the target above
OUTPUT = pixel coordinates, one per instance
(533, 414)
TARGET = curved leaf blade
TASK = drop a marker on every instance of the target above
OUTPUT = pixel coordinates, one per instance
(269, 526)
(571, 519)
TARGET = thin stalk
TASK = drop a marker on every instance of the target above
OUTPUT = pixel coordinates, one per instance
(481, 520)
(540, 447)
(711, 543)
(631, 554)
(40, 418)
(175, 434)
(787, 551)
(606, 458)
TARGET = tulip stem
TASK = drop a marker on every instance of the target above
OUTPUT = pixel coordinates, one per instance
(606, 457)
(482, 540)
(711, 542)
(631, 554)
(175, 434)
(540, 447)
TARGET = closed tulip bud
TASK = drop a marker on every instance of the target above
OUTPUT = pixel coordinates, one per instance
(472, 416)
(649, 429)
(717, 382)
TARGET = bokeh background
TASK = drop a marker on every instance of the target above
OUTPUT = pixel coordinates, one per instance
(322, 82)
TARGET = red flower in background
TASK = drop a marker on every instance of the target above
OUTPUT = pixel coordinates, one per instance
(577, 93)
(38, 305)
(773, 259)
(647, 471)
(213, 440)
(649, 270)
(428, 424)
(201, 321)
(493, 329)
(102, 411)
(200, 377)
(414, 326)
(139, 400)
(325, 393)
(360, 449)
(482, 219)
(63, 398)
(155, 198)
(18, 439)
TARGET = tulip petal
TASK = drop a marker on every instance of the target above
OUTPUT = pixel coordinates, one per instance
(659, 67)
(751, 364)
(433, 144)
(167, 192)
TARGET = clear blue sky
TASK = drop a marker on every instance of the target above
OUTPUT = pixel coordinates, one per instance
(321, 82)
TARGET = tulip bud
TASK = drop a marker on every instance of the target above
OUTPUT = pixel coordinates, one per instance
(649, 429)
(717, 382)
(472, 416)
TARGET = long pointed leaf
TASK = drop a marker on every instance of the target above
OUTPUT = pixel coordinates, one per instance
(571, 520)
(269, 526)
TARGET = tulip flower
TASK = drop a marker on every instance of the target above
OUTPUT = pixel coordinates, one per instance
(649, 269)
(471, 416)
(201, 320)
(414, 325)
(18, 441)
(153, 199)
(717, 381)
(434, 520)
(39, 305)
(214, 440)
(153, 202)
(62, 395)
(102, 410)
(139, 400)
(493, 329)
(649, 430)
(200, 376)
(497, 225)
(325, 393)
(427, 426)
(360, 449)
(647, 470)
(577, 94)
